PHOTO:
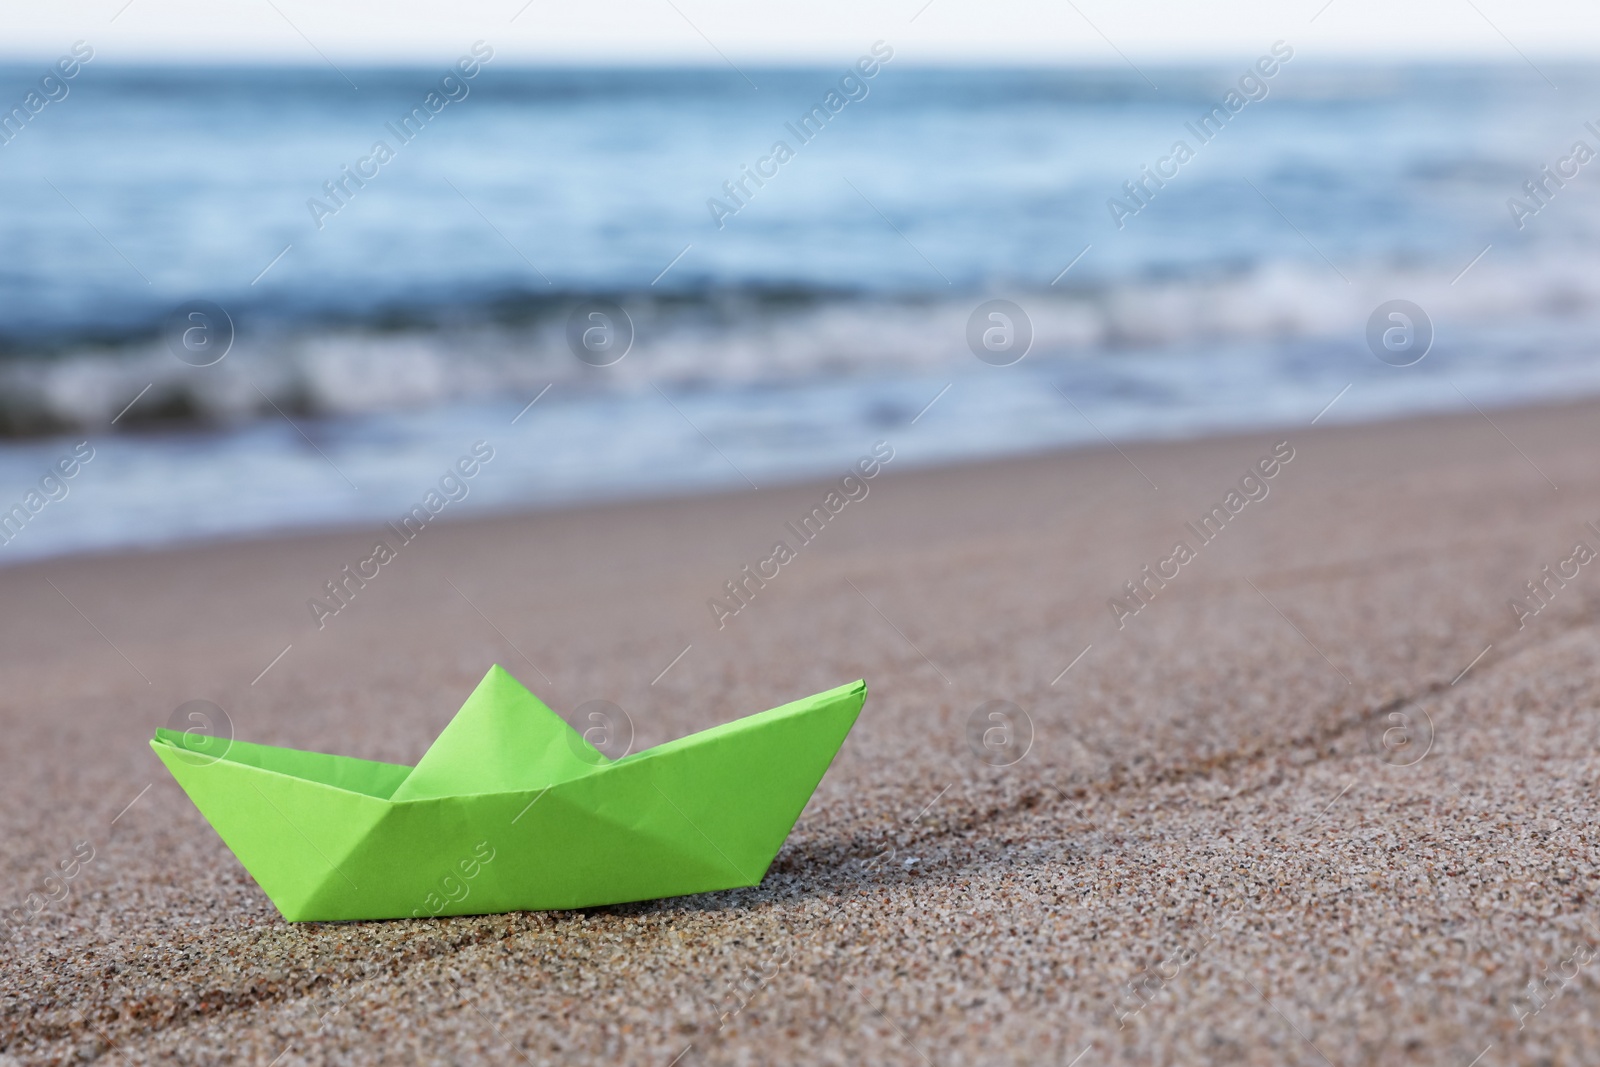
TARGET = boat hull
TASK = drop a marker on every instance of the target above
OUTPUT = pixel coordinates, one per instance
(704, 813)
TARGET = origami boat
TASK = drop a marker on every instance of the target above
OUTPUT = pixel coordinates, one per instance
(512, 810)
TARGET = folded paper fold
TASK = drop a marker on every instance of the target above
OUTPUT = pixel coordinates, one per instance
(511, 809)
(504, 738)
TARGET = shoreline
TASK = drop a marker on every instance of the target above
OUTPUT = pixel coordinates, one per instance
(606, 502)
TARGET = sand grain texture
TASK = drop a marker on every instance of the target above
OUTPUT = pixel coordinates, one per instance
(1207, 810)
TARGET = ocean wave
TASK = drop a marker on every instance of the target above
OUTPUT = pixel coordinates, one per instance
(515, 343)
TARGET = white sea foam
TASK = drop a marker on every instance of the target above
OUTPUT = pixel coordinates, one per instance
(358, 370)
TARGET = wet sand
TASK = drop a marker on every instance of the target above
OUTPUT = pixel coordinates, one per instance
(1320, 800)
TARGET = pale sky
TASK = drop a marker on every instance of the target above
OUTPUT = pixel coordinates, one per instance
(713, 32)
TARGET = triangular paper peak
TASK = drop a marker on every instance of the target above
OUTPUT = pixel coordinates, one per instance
(503, 739)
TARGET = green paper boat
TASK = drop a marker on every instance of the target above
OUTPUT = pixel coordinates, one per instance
(512, 810)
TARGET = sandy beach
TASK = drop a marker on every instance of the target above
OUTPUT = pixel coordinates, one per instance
(1315, 794)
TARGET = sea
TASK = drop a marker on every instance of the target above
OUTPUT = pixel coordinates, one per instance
(277, 298)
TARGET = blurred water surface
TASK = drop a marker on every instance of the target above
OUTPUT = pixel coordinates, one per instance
(381, 334)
